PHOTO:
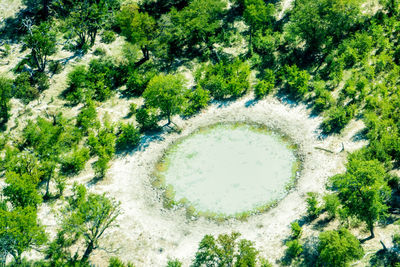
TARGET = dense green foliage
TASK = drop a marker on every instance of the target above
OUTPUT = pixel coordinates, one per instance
(337, 248)
(85, 219)
(166, 92)
(341, 58)
(5, 95)
(363, 190)
(226, 250)
(225, 80)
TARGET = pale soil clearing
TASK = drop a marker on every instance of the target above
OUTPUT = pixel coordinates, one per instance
(149, 234)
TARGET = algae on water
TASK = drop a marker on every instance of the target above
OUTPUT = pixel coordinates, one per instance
(229, 169)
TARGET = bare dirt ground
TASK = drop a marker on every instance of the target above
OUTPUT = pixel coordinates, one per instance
(149, 234)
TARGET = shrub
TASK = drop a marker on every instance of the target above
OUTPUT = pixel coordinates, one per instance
(55, 67)
(132, 109)
(266, 85)
(128, 136)
(294, 249)
(337, 119)
(99, 51)
(174, 263)
(77, 81)
(74, 162)
(95, 82)
(23, 89)
(296, 81)
(41, 81)
(296, 230)
(331, 205)
(108, 37)
(197, 100)
(5, 95)
(338, 248)
(225, 80)
(313, 208)
(138, 80)
(323, 98)
(147, 119)
(116, 262)
(87, 118)
(101, 165)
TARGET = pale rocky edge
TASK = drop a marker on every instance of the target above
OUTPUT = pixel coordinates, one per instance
(149, 234)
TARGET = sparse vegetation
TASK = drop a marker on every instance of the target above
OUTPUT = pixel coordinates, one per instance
(340, 59)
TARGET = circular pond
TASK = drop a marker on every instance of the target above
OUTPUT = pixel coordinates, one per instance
(229, 169)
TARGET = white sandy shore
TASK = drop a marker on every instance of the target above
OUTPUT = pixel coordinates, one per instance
(149, 234)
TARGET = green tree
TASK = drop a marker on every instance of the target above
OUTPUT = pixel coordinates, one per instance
(74, 162)
(128, 136)
(266, 85)
(323, 23)
(42, 42)
(87, 118)
(21, 190)
(86, 18)
(5, 95)
(225, 79)
(194, 29)
(40, 8)
(147, 118)
(258, 16)
(20, 231)
(363, 190)
(338, 248)
(313, 208)
(226, 250)
(296, 81)
(197, 100)
(138, 27)
(85, 219)
(166, 92)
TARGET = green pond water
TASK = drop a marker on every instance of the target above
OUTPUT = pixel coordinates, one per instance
(229, 169)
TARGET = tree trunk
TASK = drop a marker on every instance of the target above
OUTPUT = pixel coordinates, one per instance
(250, 42)
(146, 56)
(45, 10)
(169, 119)
(88, 251)
(371, 230)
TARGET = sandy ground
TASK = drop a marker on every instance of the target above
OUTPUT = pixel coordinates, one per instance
(149, 234)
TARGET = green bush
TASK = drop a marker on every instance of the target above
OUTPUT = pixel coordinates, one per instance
(101, 165)
(116, 262)
(147, 119)
(296, 230)
(338, 248)
(337, 118)
(174, 263)
(138, 80)
(266, 85)
(75, 161)
(225, 80)
(55, 67)
(108, 37)
(132, 109)
(87, 118)
(323, 98)
(331, 205)
(294, 249)
(23, 88)
(197, 100)
(296, 81)
(95, 82)
(99, 51)
(128, 136)
(41, 81)
(313, 209)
